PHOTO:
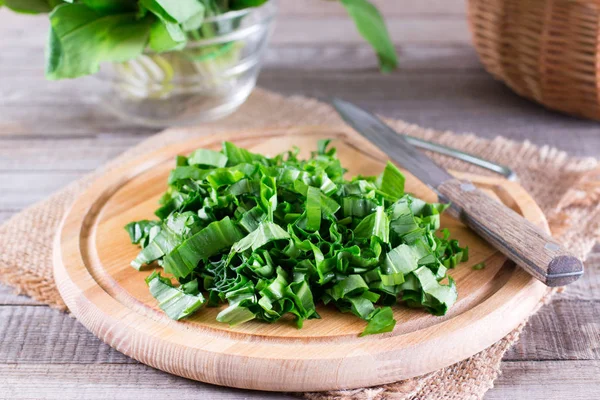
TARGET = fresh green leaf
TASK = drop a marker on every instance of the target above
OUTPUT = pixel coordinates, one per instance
(238, 312)
(265, 233)
(178, 11)
(371, 26)
(216, 237)
(398, 262)
(140, 230)
(479, 266)
(241, 4)
(442, 297)
(392, 181)
(173, 301)
(207, 158)
(29, 6)
(351, 285)
(313, 209)
(376, 224)
(358, 207)
(81, 38)
(380, 321)
(194, 22)
(166, 36)
(236, 155)
(111, 6)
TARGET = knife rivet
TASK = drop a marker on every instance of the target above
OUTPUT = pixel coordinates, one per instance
(467, 187)
(551, 246)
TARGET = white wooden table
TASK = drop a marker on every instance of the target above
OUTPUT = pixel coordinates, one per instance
(53, 132)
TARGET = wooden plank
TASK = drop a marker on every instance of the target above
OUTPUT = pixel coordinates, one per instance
(60, 120)
(462, 102)
(588, 287)
(28, 88)
(110, 381)
(531, 380)
(44, 335)
(46, 152)
(511, 120)
(332, 56)
(293, 30)
(451, 100)
(563, 330)
(62, 154)
(5, 215)
(20, 189)
(575, 380)
(412, 57)
(8, 297)
(395, 8)
(341, 30)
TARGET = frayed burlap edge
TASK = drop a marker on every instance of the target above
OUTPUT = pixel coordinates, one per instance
(567, 189)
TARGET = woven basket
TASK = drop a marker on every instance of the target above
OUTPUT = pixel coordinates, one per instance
(545, 50)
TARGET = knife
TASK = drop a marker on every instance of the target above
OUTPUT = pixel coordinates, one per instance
(520, 240)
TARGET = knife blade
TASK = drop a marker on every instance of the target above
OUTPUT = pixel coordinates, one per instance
(520, 240)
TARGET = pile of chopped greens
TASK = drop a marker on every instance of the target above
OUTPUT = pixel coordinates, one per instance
(272, 236)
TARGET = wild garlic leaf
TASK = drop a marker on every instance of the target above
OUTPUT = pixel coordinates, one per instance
(241, 4)
(175, 11)
(216, 237)
(392, 181)
(371, 26)
(29, 6)
(166, 36)
(173, 301)
(111, 6)
(81, 38)
(380, 321)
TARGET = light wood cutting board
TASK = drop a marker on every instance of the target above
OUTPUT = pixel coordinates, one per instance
(91, 263)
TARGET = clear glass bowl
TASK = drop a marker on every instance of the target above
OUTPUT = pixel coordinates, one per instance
(208, 79)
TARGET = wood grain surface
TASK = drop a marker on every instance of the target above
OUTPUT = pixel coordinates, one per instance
(92, 254)
(54, 132)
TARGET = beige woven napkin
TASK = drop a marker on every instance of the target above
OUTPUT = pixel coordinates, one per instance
(567, 189)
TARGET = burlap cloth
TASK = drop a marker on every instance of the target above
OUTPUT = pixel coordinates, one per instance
(567, 189)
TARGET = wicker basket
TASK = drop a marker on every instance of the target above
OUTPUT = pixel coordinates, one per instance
(545, 50)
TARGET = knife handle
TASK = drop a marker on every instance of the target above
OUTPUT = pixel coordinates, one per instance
(517, 238)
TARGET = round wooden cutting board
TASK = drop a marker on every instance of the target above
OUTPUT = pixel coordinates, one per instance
(91, 263)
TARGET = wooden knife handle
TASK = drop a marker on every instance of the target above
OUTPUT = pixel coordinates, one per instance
(520, 240)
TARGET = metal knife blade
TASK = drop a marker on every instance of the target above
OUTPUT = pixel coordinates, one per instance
(525, 243)
(392, 144)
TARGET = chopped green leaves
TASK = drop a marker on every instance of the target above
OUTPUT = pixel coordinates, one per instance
(479, 266)
(216, 237)
(313, 209)
(175, 302)
(380, 320)
(392, 182)
(207, 158)
(265, 233)
(276, 236)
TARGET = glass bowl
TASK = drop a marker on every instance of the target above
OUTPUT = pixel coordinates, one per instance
(208, 79)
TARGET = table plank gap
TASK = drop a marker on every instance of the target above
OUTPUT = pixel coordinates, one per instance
(563, 330)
